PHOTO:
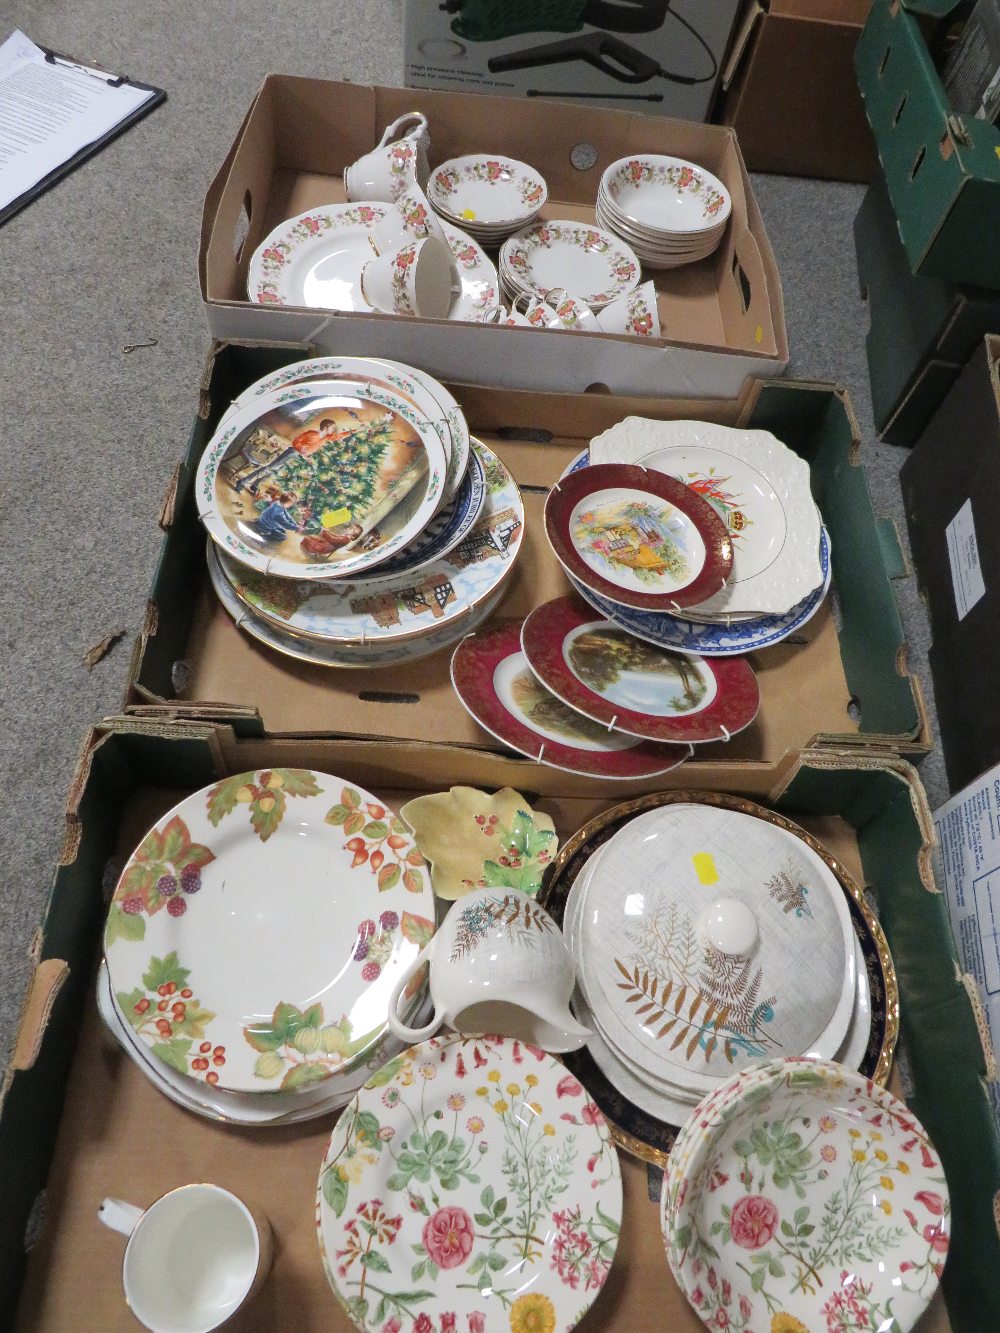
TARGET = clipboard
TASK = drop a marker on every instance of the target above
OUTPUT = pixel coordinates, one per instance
(95, 146)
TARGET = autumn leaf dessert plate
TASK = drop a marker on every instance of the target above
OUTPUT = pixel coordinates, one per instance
(477, 1189)
(259, 928)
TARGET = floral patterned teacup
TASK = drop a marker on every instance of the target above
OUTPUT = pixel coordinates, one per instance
(399, 162)
(498, 966)
(635, 314)
(415, 280)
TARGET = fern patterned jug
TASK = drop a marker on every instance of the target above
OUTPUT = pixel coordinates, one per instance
(498, 965)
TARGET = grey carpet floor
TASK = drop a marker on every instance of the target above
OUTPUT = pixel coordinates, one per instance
(89, 434)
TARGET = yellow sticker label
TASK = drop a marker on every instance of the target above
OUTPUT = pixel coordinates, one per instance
(469, 214)
(334, 517)
(759, 334)
(704, 867)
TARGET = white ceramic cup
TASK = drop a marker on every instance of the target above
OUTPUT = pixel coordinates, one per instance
(498, 965)
(557, 309)
(194, 1257)
(635, 313)
(413, 280)
(398, 162)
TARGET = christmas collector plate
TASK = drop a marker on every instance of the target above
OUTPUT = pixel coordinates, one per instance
(632, 686)
(258, 929)
(475, 1188)
(494, 683)
(320, 479)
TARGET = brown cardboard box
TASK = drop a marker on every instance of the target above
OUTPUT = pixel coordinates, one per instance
(723, 318)
(790, 91)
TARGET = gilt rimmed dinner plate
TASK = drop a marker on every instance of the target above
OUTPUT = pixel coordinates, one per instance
(498, 689)
(594, 264)
(638, 538)
(476, 1187)
(630, 685)
(423, 390)
(258, 929)
(320, 479)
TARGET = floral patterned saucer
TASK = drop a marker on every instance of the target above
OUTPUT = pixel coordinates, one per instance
(609, 675)
(801, 1195)
(475, 1188)
(578, 258)
(494, 683)
(204, 940)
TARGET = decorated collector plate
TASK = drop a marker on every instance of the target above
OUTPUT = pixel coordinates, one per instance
(588, 261)
(204, 939)
(423, 391)
(643, 1132)
(322, 478)
(476, 1187)
(410, 604)
(492, 190)
(494, 683)
(852, 1234)
(638, 538)
(632, 686)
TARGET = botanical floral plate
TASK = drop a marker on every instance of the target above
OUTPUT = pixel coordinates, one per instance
(588, 261)
(478, 1189)
(407, 605)
(473, 840)
(665, 194)
(632, 686)
(207, 950)
(494, 683)
(638, 538)
(491, 191)
(805, 1196)
(423, 390)
(310, 481)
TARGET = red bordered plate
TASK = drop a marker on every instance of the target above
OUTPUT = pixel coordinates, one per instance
(609, 675)
(494, 683)
(638, 537)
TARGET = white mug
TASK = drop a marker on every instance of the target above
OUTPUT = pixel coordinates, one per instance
(500, 966)
(398, 162)
(226, 1249)
(414, 280)
(635, 313)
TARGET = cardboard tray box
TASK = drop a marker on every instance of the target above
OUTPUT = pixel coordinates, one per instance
(723, 319)
(942, 169)
(921, 330)
(951, 492)
(842, 680)
(79, 1122)
(790, 92)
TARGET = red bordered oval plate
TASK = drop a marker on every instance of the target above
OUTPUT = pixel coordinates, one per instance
(638, 537)
(491, 677)
(609, 675)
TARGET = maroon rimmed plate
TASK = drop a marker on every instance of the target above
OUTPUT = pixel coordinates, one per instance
(638, 537)
(609, 675)
(491, 677)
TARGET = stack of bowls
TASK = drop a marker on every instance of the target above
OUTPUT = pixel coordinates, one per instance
(671, 212)
(488, 196)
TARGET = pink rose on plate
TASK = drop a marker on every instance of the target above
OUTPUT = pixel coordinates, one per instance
(448, 1237)
(753, 1221)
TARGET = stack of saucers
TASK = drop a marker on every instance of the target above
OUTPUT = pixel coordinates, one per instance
(488, 196)
(588, 261)
(670, 211)
(353, 520)
(757, 492)
(253, 942)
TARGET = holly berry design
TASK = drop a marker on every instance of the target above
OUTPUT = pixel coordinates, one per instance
(265, 793)
(166, 1013)
(164, 872)
(377, 838)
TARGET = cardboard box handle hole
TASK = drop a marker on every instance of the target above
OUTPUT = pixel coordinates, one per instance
(387, 697)
(242, 229)
(526, 433)
(743, 282)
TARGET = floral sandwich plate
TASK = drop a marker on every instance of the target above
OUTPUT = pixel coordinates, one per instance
(478, 1189)
(805, 1196)
(498, 689)
(631, 686)
(207, 953)
(410, 604)
(588, 261)
(637, 1128)
(424, 392)
(321, 479)
(638, 538)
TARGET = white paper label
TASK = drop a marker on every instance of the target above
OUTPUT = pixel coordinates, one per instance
(963, 555)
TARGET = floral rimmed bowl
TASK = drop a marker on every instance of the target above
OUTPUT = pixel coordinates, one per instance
(801, 1196)
(490, 196)
(474, 840)
(471, 1185)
